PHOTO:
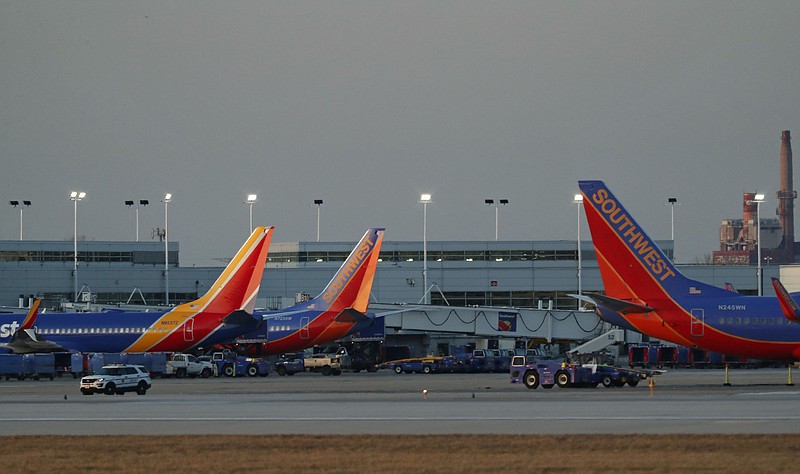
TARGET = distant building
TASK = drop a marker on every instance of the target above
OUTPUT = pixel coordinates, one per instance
(738, 238)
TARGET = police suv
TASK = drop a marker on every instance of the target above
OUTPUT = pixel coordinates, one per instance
(117, 379)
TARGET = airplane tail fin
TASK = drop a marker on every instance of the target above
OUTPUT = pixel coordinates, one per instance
(237, 286)
(632, 266)
(350, 287)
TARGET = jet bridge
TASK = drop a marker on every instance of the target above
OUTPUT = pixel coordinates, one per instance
(493, 322)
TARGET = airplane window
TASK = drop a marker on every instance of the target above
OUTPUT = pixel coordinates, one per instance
(747, 320)
(722, 320)
(772, 320)
(763, 320)
(738, 320)
(730, 320)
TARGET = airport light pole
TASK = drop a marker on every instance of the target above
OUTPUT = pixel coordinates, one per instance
(757, 200)
(167, 199)
(251, 199)
(131, 203)
(672, 201)
(318, 203)
(21, 205)
(75, 196)
(490, 202)
(578, 199)
(425, 199)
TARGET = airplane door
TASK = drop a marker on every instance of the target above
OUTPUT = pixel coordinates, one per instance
(188, 330)
(304, 327)
(697, 322)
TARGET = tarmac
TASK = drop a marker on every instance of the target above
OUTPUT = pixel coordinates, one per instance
(692, 401)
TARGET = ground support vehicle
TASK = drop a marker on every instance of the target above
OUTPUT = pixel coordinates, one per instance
(548, 373)
(230, 365)
(423, 365)
(117, 379)
(290, 364)
(364, 355)
(326, 364)
(187, 365)
(35, 366)
(483, 360)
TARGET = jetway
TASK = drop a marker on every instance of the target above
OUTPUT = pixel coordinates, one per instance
(602, 341)
(495, 322)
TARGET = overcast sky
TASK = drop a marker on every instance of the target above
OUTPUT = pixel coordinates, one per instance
(366, 104)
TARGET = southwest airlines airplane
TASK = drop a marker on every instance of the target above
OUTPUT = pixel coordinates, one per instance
(645, 292)
(338, 311)
(222, 314)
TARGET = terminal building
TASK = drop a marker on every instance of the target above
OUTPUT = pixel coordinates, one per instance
(525, 274)
(495, 294)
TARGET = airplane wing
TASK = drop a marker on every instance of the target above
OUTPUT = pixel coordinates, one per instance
(26, 341)
(788, 304)
(620, 306)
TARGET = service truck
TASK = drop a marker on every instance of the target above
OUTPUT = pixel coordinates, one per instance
(326, 364)
(187, 365)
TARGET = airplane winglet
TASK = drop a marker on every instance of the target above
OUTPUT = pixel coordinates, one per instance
(30, 319)
(788, 304)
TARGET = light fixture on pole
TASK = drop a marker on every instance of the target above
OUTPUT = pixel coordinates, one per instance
(251, 199)
(757, 200)
(21, 205)
(131, 203)
(75, 196)
(490, 202)
(672, 201)
(318, 203)
(578, 199)
(425, 199)
(167, 199)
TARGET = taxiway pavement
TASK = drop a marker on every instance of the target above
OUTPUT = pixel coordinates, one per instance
(682, 401)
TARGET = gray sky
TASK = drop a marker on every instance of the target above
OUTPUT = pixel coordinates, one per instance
(366, 104)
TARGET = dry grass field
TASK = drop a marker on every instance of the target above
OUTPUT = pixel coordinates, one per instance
(401, 454)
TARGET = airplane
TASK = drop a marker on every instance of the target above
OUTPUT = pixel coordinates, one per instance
(645, 292)
(223, 313)
(338, 311)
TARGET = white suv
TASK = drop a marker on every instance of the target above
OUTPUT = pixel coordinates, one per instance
(117, 378)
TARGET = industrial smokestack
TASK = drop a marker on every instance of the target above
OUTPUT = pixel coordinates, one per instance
(786, 197)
